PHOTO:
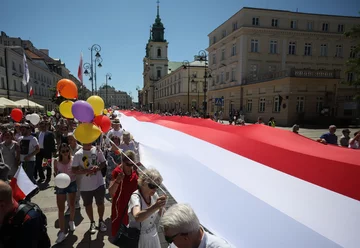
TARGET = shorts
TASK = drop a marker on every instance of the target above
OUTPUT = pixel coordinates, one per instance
(98, 194)
(72, 188)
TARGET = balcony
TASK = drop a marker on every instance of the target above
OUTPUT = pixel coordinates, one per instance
(298, 73)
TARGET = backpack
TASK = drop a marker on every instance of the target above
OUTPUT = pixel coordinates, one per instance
(18, 220)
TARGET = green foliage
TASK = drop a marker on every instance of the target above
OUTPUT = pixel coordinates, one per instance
(54, 98)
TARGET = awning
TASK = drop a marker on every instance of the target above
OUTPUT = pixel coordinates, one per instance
(29, 104)
(6, 103)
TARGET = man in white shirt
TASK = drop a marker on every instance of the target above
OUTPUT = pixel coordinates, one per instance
(29, 147)
(116, 129)
(88, 162)
(182, 227)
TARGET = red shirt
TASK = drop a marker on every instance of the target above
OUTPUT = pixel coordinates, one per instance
(121, 198)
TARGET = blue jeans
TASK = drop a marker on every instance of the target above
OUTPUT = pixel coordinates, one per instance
(29, 168)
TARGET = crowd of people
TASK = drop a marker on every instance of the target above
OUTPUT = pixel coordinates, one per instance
(110, 164)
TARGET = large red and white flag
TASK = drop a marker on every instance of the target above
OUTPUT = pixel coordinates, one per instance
(80, 69)
(255, 186)
(31, 92)
(21, 185)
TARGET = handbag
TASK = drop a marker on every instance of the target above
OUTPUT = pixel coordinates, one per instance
(127, 237)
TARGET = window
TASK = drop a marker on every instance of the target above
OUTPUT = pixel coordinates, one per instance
(310, 26)
(2, 83)
(350, 77)
(300, 104)
(214, 39)
(214, 58)
(352, 52)
(224, 33)
(325, 27)
(293, 24)
(262, 105)
(1, 61)
(233, 50)
(340, 28)
(222, 77)
(249, 105)
(307, 50)
(339, 51)
(13, 66)
(273, 46)
(253, 70)
(255, 21)
(272, 68)
(274, 22)
(292, 48)
(233, 72)
(15, 85)
(254, 46)
(158, 73)
(222, 54)
(20, 68)
(319, 104)
(159, 52)
(276, 104)
(235, 26)
(323, 50)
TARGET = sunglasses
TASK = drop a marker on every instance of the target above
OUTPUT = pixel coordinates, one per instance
(65, 151)
(152, 186)
(170, 239)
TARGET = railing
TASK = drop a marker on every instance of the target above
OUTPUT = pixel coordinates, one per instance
(299, 73)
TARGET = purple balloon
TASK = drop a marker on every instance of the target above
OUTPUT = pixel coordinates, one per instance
(82, 111)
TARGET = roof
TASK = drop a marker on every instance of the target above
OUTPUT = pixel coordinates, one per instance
(173, 66)
(197, 63)
(32, 55)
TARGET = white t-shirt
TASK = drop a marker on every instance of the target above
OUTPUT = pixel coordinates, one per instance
(113, 132)
(86, 160)
(27, 146)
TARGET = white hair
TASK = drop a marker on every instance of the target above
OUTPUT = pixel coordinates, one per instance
(180, 218)
(150, 175)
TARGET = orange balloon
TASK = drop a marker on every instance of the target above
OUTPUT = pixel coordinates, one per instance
(67, 89)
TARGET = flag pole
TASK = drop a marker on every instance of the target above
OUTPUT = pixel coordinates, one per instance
(27, 96)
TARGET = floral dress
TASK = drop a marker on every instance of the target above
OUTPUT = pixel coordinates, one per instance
(113, 159)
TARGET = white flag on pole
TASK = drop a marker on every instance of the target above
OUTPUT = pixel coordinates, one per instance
(26, 75)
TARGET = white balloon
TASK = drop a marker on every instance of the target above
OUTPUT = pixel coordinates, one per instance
(62, 180)
(28, 117)
(53, 112)
(34, 119)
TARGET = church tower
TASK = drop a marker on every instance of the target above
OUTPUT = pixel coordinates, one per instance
(155, 60)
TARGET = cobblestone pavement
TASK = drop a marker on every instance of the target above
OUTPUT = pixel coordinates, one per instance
(81, 238)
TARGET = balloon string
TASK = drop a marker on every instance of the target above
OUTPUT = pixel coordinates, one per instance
(160, 188)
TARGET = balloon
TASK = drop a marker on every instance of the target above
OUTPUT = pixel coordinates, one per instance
(67, 89)
(16, 114)
(62, 180)
(65, 109)
(48, 113)
(28, 117)
(53, 112)
(87, 133)
(34, 119)
(103, 122)
(82, 111)
(105, 111)
(97, 104)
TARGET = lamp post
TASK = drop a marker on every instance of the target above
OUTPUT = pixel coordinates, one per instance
(186, 65)
(202, 56)
(92, 65)
(108, 76)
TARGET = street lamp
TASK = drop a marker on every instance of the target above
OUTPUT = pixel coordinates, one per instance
(202, 56)
(90, 68)
(108, 76)
(186, 65)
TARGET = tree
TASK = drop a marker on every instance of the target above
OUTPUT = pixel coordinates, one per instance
(54, 98)
(353, 64)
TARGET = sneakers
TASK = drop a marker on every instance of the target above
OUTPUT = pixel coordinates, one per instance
(92, 227)
(102, 226)
(71, 226)
(67, 212)
(61, 237)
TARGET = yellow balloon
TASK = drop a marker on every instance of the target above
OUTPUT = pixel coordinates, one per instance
(87, 133)
(105, 111)
(65, 109)
(97, 104)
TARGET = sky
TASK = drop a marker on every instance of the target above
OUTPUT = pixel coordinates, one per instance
(121, 28)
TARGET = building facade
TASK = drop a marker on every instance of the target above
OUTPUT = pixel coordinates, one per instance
(255, 46)
(113, 97)
(44, 71)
